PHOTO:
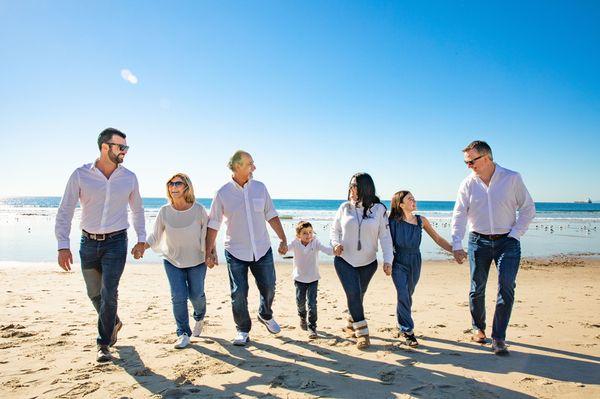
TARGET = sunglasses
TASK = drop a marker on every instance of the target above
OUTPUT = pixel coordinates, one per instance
(175, 184)
(122, 147)
(472, 161)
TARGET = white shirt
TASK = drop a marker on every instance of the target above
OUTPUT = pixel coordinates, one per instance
(245, 209)
(306, 269)
(103, 203)
(180, 236)
(344, 231)
(492, 209)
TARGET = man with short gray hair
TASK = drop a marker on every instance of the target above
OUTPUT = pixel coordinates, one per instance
(246, 205)
(488, 200)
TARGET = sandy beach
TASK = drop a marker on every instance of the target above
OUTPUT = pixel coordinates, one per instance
(47, 339)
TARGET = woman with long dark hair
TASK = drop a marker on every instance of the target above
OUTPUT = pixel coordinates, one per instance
(359, 224)
(406, 229)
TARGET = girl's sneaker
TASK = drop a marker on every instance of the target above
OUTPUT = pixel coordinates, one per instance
(410, 340)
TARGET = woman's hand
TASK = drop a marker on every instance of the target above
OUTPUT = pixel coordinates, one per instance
(387, 269)
(338, 249)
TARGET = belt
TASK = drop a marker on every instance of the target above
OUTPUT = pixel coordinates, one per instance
(492, 237)
(102, 237)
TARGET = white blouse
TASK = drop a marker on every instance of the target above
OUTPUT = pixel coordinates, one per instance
(345, 231)
(179, 236)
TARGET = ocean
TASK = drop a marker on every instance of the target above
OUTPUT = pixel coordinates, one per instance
(27, 226)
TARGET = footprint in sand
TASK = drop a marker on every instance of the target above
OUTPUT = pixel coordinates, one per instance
(387, 375)
(81, 390)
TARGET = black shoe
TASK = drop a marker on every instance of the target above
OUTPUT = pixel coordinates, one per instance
(410, 340)
(103, 354)
(303, 324)
(499, 347)
(312, 333)
(113, 337)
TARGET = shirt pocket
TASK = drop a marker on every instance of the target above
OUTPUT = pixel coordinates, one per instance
(258, 205)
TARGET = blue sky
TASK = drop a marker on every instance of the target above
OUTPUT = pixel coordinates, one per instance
(316, 91)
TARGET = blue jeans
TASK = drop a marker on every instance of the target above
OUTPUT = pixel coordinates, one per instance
(186, 283)
(102, 264)
(506, 253)
(405, 279)
(355, 281)
(264, 275)
(307, 292)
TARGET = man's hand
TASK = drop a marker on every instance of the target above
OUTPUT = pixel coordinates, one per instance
(65, 259)
(338, 249)
(283, 248)
(387, 269)
(211, 259)
(138, 250)
(459, 255)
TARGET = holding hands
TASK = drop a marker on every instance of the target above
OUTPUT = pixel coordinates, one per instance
(138, 250)
(338, 249)
(459, 255)
(283, 248)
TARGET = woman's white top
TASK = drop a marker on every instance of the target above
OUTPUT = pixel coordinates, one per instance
(306, 269)
(345, 231)
(180, 236)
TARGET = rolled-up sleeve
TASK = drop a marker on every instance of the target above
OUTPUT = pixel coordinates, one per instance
(270, 211)
(215, 217)
(459, 217)
(137, 212)
(64, 216)
(526, 208)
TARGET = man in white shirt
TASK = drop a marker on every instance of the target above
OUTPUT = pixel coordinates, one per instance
(104, 188)
(488, 200)
(246, 205)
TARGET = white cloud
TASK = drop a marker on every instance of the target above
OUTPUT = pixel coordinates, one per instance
(129, 76)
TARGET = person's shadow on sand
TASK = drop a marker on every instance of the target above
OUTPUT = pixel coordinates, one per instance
(576, 367)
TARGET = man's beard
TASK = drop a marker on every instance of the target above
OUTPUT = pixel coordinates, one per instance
(115, 158)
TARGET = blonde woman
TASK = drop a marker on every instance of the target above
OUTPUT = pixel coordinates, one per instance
(179, 237)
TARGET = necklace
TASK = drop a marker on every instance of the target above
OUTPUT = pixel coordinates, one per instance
(359, 246)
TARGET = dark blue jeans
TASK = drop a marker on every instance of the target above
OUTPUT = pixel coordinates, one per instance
(264, 275)
(186, 283)
(307, 292)
(102, 264)
(506, 253)
(355, 281)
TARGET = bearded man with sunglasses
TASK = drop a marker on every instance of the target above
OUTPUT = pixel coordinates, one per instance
(498, 208)
(104, 188)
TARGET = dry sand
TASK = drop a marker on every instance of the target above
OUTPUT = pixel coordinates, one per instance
(47, 339)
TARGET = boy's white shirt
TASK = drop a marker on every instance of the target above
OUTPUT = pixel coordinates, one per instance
(306, 268)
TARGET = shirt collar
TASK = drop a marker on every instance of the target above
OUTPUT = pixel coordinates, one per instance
(236, 185)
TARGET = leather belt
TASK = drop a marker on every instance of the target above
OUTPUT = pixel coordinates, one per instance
(492, 237)
(102, 237)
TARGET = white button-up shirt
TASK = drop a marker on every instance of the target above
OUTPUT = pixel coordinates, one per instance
(245, 209)
(103, 203)
(492, 209)
(306, 269)
(373, 228)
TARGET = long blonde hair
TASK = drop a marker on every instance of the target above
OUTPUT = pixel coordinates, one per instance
(188, 196)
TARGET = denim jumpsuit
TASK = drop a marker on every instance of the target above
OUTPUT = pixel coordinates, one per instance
(406, 267)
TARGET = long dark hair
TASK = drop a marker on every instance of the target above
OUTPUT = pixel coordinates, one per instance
(396, 212)
(365, 189)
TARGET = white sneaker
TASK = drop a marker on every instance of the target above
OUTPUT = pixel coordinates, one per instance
(197, 328)
(241, 338)
(182, 341)
(271, 325)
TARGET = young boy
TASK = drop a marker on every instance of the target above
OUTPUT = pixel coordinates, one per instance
(306, 274)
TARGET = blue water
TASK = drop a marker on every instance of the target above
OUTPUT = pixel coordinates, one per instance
(544, 209)
(27, 226)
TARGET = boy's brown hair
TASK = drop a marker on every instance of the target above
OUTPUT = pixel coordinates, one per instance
(302, 225)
